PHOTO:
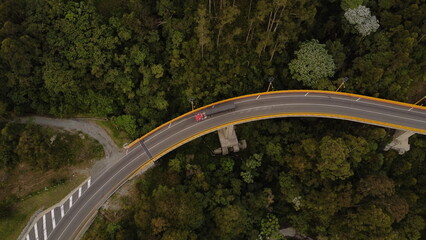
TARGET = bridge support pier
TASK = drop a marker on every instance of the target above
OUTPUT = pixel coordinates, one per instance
(229, 141)
(400, 141)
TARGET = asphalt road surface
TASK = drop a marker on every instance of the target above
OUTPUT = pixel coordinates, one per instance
(254, 107)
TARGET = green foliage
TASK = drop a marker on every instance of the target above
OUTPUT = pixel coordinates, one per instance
(370, 222)
(157, 70)
(411, 228)
(65, 57)
(312, 64)
(197, 195)
(227, 165)
(270, 228)
(168, 210)
(346, 4)
(386, 4)
(138, 62)
(376, 186)
(290, 190)
(44, 148)
(202, 29)
(127, 123)
(7, 206)
(230, 221)
(250, 167)
(34, 148)
(333, 155)
(9, 139)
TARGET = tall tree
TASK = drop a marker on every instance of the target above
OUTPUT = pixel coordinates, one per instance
(361, 17)
(202, 29)
(312, 64)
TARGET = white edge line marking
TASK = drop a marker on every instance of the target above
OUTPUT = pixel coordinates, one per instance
(150, 137)
(155, 134)
(99, 189)
(90, 179)
(276, 105)
(228, 113)
(266, 97)
(36, 231)
(44, 227)
(147, 139)
(348, 98)
(52, 213)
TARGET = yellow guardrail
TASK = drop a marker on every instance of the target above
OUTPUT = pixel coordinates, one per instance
(266, 116)
(279, 92)
(85, 222)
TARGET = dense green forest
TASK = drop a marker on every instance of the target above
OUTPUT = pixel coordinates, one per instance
(138, 62)
(145, 59)
(328, 183)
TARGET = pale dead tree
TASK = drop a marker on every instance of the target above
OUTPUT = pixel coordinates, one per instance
(249, 10)
(202, 28)
(279, 44)
(228, 16)
(274, 20)
(362, 20)
(262, 9)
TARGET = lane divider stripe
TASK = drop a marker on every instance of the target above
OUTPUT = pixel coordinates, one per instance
(267, 116)
(277, 92)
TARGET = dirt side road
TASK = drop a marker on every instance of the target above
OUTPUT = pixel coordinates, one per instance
(112, 152)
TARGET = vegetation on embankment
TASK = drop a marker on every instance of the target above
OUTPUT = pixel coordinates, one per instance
(22, 210)
(38, 167)
(119, 136)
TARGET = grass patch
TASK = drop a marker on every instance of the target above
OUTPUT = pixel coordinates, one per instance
(119, 137)
(85, 148)
(11, 227)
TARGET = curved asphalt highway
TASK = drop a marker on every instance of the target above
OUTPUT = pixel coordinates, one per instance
(248, 108)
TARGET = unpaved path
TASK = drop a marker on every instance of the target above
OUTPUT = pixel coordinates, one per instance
(112, 152)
